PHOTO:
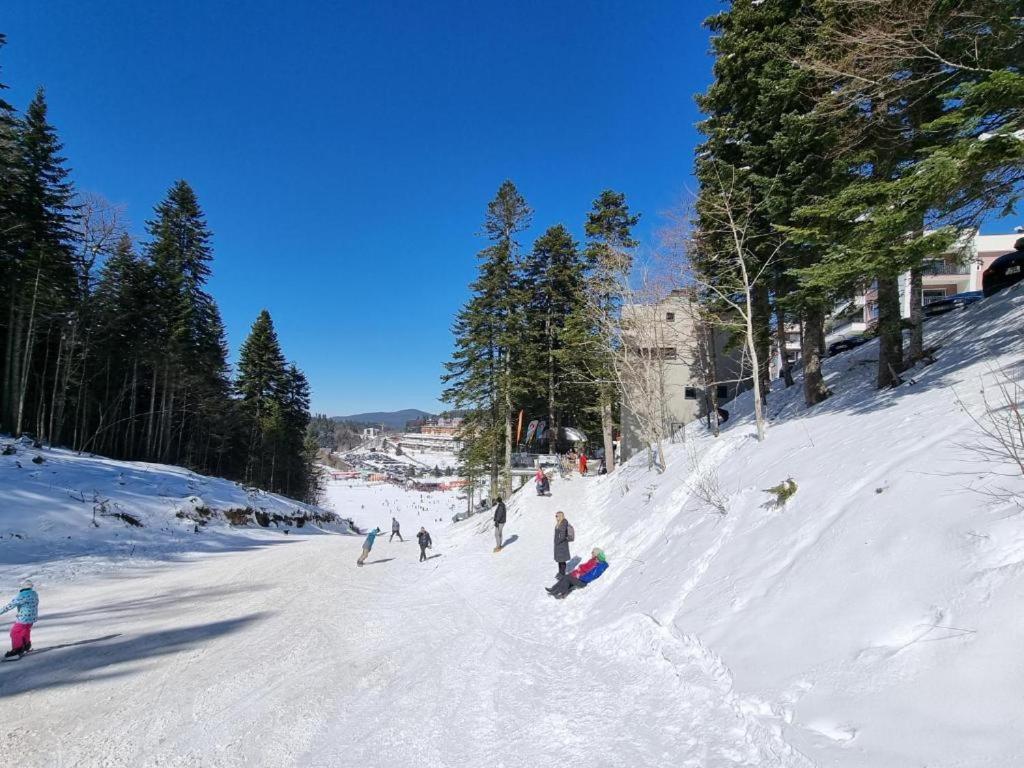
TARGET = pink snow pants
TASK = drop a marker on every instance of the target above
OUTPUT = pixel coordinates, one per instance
(20, 635)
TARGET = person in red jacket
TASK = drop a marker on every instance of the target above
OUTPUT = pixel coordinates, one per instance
(582, 575)
(583, 464)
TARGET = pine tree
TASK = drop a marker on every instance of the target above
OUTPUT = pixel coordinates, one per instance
(42, 277)
(260, 382)
(486, 374)
(609, 230)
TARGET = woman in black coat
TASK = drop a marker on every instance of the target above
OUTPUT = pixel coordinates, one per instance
(562, 555)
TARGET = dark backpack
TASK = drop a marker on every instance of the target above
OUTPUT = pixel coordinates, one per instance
(570, 533)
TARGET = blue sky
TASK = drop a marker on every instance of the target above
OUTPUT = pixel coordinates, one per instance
(345, 152)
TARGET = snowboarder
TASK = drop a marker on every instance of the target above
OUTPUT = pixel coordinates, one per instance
(564, 533)
(27, 603)
(396, 530)
(425, 543)
(499, 524)
(543, 483)
(583, 464)
(582, 575)
(368, 545)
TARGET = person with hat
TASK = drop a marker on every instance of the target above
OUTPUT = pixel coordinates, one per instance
(27, 603)
(582, 575)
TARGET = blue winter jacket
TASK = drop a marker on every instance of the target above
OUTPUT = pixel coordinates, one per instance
(27, 603)
(368, 544)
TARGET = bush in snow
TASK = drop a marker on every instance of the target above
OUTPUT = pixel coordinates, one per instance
(782, 492)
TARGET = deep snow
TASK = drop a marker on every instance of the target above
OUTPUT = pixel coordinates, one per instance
(871, 621)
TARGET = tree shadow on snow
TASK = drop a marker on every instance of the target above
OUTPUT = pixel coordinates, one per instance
(168, 601)
(97, 660)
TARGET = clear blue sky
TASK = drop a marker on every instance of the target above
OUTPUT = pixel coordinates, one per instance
(344, 152)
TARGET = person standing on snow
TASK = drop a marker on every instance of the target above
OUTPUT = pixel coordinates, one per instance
(396, 530)
(582, 575)
(27, 603)
(425, 543)
(583, 463)
(564, 533)
(499, 524)
(368, 545)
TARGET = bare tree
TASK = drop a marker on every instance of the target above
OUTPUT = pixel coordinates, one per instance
(723, 264)
(1000, 429)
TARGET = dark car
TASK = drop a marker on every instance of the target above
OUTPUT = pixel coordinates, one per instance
(848, 343)
(1004, 271)
(948, 304)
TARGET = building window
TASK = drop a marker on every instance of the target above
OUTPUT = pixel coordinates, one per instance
(722, 391)
(690, 393)
(934, 294)
(670, 317)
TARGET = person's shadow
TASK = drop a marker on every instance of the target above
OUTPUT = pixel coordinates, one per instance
(433, 556)
(510, 540)
(381, 560)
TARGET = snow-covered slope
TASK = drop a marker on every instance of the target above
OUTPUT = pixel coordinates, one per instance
(62, 513)
(871, 621)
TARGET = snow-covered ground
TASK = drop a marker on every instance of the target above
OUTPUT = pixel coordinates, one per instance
(70, 515)
(871, 621)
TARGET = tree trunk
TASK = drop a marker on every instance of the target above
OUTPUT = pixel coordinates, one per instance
(916, 315)
(890, 332)
(29, 344)
(814, 384)
(552, 444)
(608, 428)
(780, 331)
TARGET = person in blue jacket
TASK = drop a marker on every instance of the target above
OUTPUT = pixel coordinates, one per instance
(27, 603)
(368, 545)
(582, 575)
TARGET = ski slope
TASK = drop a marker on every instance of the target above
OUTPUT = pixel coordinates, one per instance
(871, 621)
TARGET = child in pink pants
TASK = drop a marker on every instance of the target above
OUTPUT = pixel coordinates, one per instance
(27, 603)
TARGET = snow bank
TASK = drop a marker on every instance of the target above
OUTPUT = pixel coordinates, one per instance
(874, 619)
(65, 514)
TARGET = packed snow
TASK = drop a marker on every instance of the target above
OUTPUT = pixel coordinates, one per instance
(871, 620)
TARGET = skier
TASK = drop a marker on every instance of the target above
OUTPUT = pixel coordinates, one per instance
(583, 463)
(582, 575)
(368, 545)
(396, 530)
(27, 603)
(499, 524)
(425, 543)
(564, 533)
(543, 484)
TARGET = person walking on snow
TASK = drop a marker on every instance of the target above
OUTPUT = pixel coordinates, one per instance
(27, 603)
(396, 530)
(582, 575)
(583, 464)
(425, 543)
(368, 545)
(564, 533)
(499, 524)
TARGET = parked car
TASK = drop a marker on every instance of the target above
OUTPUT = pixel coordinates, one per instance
(948, 304)
(1004, 271)
(848, 343)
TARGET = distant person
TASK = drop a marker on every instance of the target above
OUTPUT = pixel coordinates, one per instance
(396, 530)
(368, 545)
(425, 543)
(583, 464)
(602, 468)
(542, 482)
(499, 524)
(564, 533)
(582, 575)
(27, 603)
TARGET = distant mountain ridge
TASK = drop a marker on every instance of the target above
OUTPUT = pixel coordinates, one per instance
(390, 419)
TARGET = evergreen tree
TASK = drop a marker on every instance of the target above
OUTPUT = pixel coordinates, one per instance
(487, 375)
(609, 230)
